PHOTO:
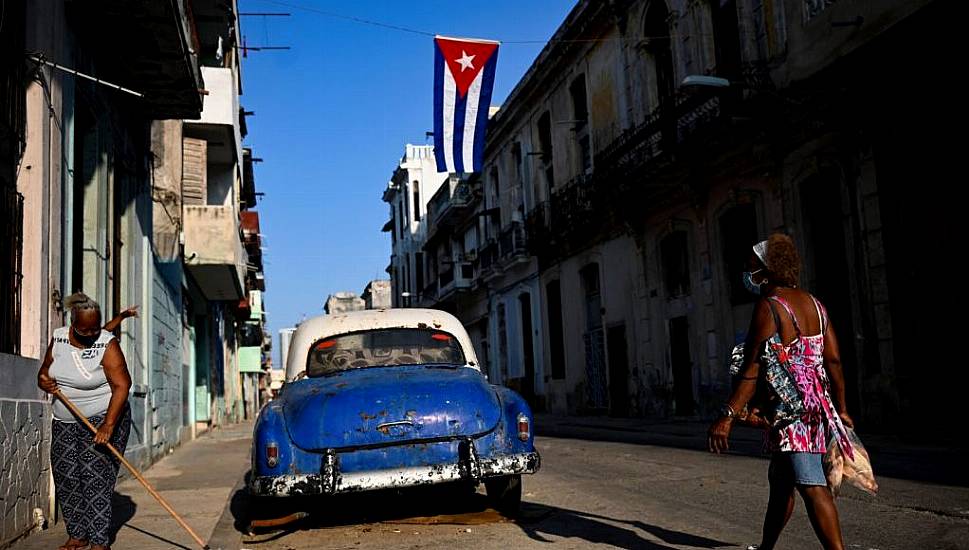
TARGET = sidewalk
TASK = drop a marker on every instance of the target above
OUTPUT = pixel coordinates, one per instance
(197, 480)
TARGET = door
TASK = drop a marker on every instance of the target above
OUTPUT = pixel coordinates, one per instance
(528, 351)
(828, 267)
(618, 370)
(682, 366)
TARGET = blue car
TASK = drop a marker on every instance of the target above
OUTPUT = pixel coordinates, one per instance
(390, 399)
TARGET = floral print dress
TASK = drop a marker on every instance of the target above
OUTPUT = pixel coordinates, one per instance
(805, 358)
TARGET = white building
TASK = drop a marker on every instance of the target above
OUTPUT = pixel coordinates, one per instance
(414, 182)
(377, 294)
(342, 302)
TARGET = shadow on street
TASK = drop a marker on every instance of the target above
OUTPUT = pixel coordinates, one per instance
(454, 506)
(123, 511)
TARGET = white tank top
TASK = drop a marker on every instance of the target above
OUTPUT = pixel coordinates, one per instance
(80, 375)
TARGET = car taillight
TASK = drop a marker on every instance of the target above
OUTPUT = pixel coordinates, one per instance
(524, 427)
(272, 455)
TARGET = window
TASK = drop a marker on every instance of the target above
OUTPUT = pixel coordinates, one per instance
(580, 114)
(417, 200)
(738, 233)
(676, 264)
(495, 188)
(760, 29)
(593, 297)
(418, 273)
(383, 348)
(407, 281)
(516, 158)
(580, 104)
(659, 49)
(726, 38)
(556, 341)
(545, 142)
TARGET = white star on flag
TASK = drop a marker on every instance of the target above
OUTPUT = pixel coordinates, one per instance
(465, 61)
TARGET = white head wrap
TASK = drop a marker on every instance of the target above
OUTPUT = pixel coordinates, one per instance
(761, 250)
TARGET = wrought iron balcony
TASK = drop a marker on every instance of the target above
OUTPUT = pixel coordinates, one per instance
(488, 259)
(452, 203)
(511, 244)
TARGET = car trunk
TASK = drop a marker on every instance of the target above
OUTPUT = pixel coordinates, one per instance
(389, 405)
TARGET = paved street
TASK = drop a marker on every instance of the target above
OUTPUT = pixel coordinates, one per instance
(605, 493)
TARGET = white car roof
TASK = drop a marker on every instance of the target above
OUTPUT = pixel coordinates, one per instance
(312, 330)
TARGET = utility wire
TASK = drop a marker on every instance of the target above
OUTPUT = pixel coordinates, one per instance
(371, 22)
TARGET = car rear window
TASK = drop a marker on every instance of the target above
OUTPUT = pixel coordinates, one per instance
(385, 347)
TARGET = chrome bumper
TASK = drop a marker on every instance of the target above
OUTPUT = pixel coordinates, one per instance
(331, 481)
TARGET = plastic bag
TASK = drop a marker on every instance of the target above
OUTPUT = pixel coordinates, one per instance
(839, 468)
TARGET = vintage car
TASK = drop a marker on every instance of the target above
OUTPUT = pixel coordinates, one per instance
(390, 398)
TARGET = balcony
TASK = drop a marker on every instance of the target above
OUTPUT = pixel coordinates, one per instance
(511, 244)
(219, 124)
(255, 306)
(445, 277)
(454, 209)
(456, 275)
(452, 204)
(149, 47)
(250, 359)
(657, 141)
(463, 275)
(428, 297)
(213, 251)
(252, 241)
(573, 217)
(489, 260)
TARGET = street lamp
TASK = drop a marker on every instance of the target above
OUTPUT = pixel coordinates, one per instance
(406, 297)
(701, 81)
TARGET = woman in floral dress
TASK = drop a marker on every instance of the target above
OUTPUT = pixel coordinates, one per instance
(794, 326)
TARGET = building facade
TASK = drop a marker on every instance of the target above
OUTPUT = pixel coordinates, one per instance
(92, 194)
(641, 188)
(410, 188)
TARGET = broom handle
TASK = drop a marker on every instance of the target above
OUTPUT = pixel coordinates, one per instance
(132, 469)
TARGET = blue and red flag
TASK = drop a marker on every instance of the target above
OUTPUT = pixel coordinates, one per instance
(464, 76)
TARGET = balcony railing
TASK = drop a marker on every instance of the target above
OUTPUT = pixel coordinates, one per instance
(446, 276)
(573, 216)
(511, 243)
(488, 255)
(429, 294)
(665, 130)
(452, 202)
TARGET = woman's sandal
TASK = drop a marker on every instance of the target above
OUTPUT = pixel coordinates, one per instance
(76, 546)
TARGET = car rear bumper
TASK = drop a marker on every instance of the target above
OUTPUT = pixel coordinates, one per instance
(331, 481)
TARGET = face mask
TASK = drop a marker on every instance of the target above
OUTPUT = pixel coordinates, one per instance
(750, 284)
(86, 341)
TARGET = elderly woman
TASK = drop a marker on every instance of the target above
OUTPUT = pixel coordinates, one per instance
(85, 363)
(808, 343)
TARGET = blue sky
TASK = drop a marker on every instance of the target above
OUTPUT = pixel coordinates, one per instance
(332, 116)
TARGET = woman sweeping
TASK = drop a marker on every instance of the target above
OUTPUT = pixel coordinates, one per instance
(85, 363)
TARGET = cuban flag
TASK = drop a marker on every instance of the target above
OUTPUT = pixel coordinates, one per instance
(464, 75)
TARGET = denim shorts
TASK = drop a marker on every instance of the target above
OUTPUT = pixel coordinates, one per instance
(797, 467)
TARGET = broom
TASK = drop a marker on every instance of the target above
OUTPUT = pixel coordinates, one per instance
(132, 469)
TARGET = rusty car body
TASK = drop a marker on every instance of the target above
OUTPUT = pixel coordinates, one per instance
(390, 399)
